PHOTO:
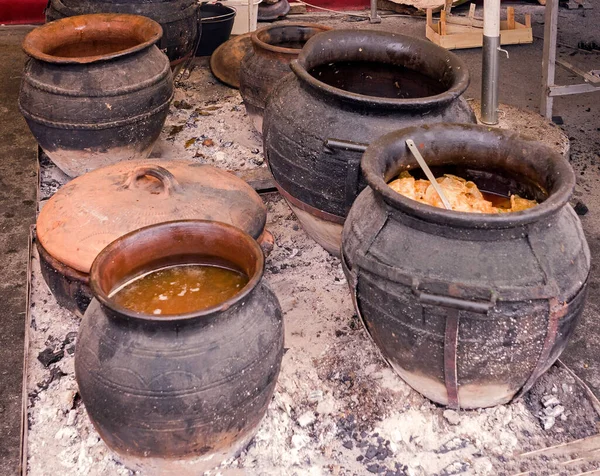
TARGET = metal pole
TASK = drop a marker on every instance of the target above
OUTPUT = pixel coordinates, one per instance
(490, 72)
(374, 17)
(549, 57)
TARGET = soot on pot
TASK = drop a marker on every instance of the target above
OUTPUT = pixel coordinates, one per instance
(179, 289)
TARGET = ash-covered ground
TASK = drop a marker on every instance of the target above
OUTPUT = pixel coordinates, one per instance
(338, 408)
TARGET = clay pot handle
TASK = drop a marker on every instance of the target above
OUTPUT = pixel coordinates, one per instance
(168, 180)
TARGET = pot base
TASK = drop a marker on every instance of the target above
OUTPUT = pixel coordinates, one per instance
(469, 396)
(326, 233)
(185, 467)
(256, 116)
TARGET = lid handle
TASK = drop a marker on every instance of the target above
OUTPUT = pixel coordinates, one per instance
(167, 179)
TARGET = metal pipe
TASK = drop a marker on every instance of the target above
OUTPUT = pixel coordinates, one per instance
(490, 70)
(374, 17)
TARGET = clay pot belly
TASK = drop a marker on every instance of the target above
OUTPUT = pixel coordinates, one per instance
(178, 19)
(179, 394)
(97, 105)
(356, 103)
(469, 309)
(273, 49)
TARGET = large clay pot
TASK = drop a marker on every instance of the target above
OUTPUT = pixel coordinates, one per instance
(96, 89)
(273, 49)
(178, 18)
(304, 111)
(469, 309)
(179, 394)
(88, 213)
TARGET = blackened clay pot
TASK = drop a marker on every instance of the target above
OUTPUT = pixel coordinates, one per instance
(179, 394)
(273, 49)
(469, 309)
(96, 90)
(358, 104)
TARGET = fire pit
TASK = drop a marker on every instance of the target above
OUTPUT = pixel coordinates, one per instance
(352, 86)
(469, 309)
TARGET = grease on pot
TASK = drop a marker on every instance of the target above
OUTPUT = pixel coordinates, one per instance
(377, 79)
(179, 289)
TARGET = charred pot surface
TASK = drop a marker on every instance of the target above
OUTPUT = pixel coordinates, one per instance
(177, 394)
(469, 309)
(110, 64)
(178, 19)
(273, 49)
(384, 82)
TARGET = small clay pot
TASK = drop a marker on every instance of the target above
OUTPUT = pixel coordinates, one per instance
(179, 394)
(274, 48)
(96, 89)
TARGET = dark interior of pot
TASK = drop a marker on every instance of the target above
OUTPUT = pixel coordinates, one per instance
(171, 244)
(378, 79)
(211, 13)
(382, 65)
(91, 36)
(288, 36)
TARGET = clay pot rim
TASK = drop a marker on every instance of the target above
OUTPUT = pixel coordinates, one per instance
(374, 168)
(131, 237)
(459, 84)
(259, 43)
(34, 42)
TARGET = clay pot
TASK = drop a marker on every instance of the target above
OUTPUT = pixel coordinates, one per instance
(469, 309)
(179, 394)
(88, 213)
(362, 102)
(96, 89)
(178, 19)
(274, 48)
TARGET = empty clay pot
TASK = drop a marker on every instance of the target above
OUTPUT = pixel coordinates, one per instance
(273, 49)
(96, 89)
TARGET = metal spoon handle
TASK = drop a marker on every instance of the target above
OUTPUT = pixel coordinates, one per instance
(413, 148)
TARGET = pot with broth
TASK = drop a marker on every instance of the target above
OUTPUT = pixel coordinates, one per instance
(183, 330)
(468, 308)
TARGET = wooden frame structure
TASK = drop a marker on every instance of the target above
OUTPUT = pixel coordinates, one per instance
(549, 89)
(459, 32)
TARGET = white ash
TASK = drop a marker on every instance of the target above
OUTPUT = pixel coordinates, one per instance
(358, 416)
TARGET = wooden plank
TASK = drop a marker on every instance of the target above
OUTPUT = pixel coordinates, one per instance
(297, 8)
(443, 26)
(260, 179)
(510, 18)
(462, 37)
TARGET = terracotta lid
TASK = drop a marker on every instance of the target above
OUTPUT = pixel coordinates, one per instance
(96, 208)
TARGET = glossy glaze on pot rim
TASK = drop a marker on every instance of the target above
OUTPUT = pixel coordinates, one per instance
(319, 43)
(70, 28)
(259, 41)
(131, 238)
(378, 173)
